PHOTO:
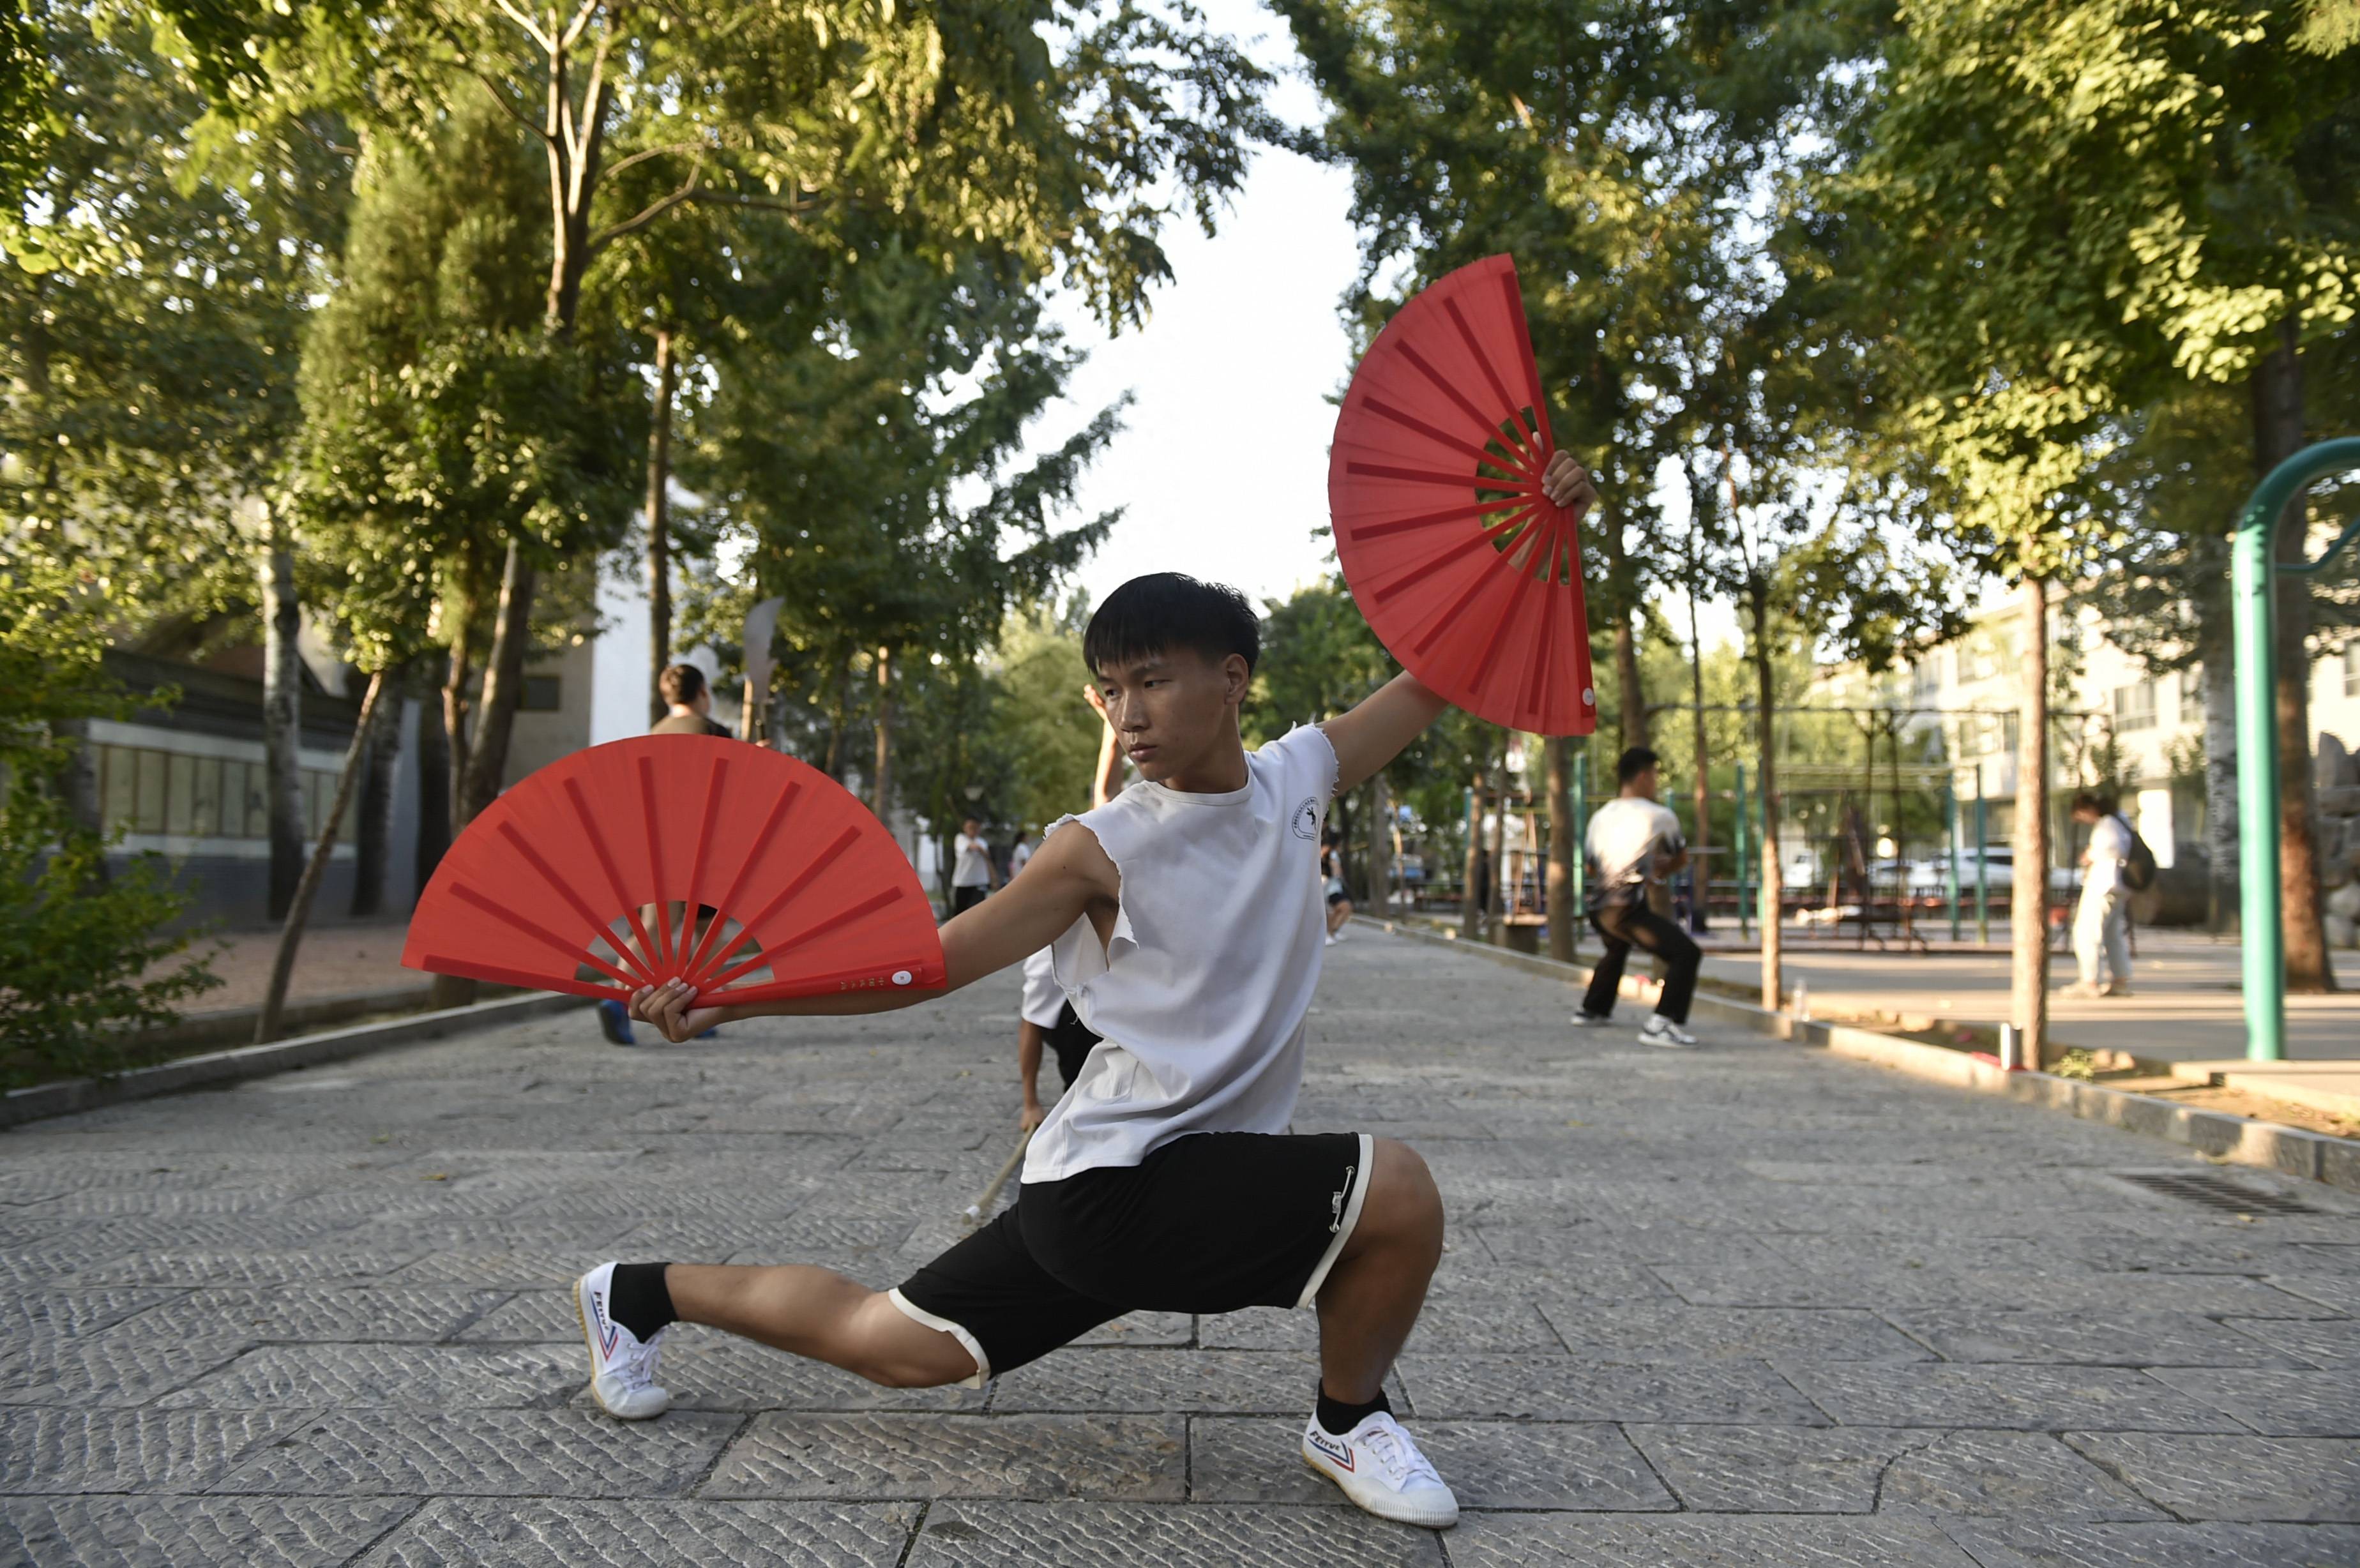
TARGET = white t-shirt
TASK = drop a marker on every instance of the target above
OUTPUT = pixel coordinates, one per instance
(1017, 856)
(973, 868)
(2110, 847)
(1043, 995)
(1625, 835)
(1201, 992)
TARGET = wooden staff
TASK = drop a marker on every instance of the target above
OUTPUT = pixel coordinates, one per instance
(982, 1205)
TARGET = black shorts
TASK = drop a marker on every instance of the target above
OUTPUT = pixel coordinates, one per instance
(1336, 898)
(1073, 1041)
(1209, 1223)
(966, 899)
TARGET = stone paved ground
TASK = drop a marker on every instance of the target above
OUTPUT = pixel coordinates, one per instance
(1742, 1306)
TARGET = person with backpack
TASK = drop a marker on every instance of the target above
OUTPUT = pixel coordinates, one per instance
(2116, 863)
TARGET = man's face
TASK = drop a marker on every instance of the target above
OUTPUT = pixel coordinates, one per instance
(972, 827)
(1649, 782)
(1173, 710)
(2085, 814)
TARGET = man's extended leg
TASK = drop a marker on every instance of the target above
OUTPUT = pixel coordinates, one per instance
(1606, 980)
(2115, 926)
(1371, 1299)
(819, 1314)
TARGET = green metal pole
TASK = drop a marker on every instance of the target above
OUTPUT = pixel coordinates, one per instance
(2251, 581)
(1744, 861)
(1951, 844)
(1982, 860)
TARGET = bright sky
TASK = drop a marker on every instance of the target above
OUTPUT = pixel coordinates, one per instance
(1223, 465)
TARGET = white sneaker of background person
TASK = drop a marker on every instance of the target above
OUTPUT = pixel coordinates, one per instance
(1661, 1030)
(1381, 1471)
(622, 1369)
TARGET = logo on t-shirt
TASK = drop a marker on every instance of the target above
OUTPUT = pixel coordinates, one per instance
(1306, 818)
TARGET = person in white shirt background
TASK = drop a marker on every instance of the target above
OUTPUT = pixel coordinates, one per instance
(1632, 843)
(1023, 850)
(2101, 920)
(972, 873)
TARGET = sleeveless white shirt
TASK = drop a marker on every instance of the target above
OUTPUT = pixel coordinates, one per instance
(1201, 992)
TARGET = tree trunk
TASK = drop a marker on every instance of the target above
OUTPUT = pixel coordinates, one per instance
(1626, 676)
(2029, 912)
(282, 716)
(2276, 394)
(77, 787)
(1470, 906)
(290, 935)
(487, 756)
(881, 787)
(1700, 841)
(373, 844)
(458, 678)
(1381, 847)
(1773, 873)
(2220, 773)
(659, 515)
(433, 780)
(1556, 755)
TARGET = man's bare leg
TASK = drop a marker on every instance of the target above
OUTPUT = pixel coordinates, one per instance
(821, 1315)
(1372, 1297)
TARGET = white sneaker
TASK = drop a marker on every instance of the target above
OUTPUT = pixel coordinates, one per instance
(1661, 1030)
(1331, 939)
(1338, 934)
(1381, 1469)
(1593, 1020)
(622, 1370)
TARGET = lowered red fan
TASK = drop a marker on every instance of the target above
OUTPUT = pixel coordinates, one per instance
(742, 871)
(1465, 570)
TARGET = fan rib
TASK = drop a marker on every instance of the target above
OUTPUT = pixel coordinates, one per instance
(834, 980)
(861, 911)
(1516, 301)
(532, 857)
(1466, 405)
(719, 777)
(1417, 475)
(763, 839)
(1483, 362)
(630, 906)
(1419, 571)
(524, 979)
(666, 957)
(539, 933)
(1449, 617)
(1378, 406)
(1455, 515)
(804, 879)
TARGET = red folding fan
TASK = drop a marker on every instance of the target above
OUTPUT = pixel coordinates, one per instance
(742, 871)
(1464, 569)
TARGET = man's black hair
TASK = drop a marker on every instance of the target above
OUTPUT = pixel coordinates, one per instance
(1167, 610)
(2102, 801)
(1633, 763)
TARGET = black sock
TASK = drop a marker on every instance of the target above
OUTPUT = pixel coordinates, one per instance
(639, 1299)
(1336, 1417)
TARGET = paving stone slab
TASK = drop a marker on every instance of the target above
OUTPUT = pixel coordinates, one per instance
(2152, 1339)
(2025, 1399)
(112, 1368)
(527, 1317)
(377, 1376)
(1150, 1381)
(1035, 1458)
(2020, 1475)
(495, 1454)
(1071, 1535)
(523, 1268)
(228, 1270)
(45, 1316)
(1146, 1329)
(1545, 1541)
(1774, 1469)
(1489, 1465)
(2338, 1294)
(73, 1451)
(2076, 1545)
(2275, 1404)
(1565, 1388)
(193, 1532)
(2297, 1479)
(1674, 1331)
(464, 1532)
(2318, 1342)
(391, 1312)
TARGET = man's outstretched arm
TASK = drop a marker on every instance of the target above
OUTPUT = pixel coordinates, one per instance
(1069, 877)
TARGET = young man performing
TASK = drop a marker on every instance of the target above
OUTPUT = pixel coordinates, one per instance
(1188, 930)
(1632, 843)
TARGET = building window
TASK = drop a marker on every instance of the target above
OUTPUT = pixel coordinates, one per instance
(2191, 695)
(2134, 707)
(542, 694)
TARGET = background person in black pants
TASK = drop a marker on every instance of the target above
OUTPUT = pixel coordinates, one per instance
(1633, 842)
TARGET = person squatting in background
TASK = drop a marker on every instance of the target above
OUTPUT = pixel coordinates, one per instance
(1633, 842)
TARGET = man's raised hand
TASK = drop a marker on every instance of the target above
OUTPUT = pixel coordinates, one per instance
(671, 1008)
(1566, 483)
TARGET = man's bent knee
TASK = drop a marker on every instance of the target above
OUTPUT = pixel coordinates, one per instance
(1403, 1196)
(894, 1350)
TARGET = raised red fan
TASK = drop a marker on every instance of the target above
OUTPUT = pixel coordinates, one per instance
(1464, 569)
(742, 871)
